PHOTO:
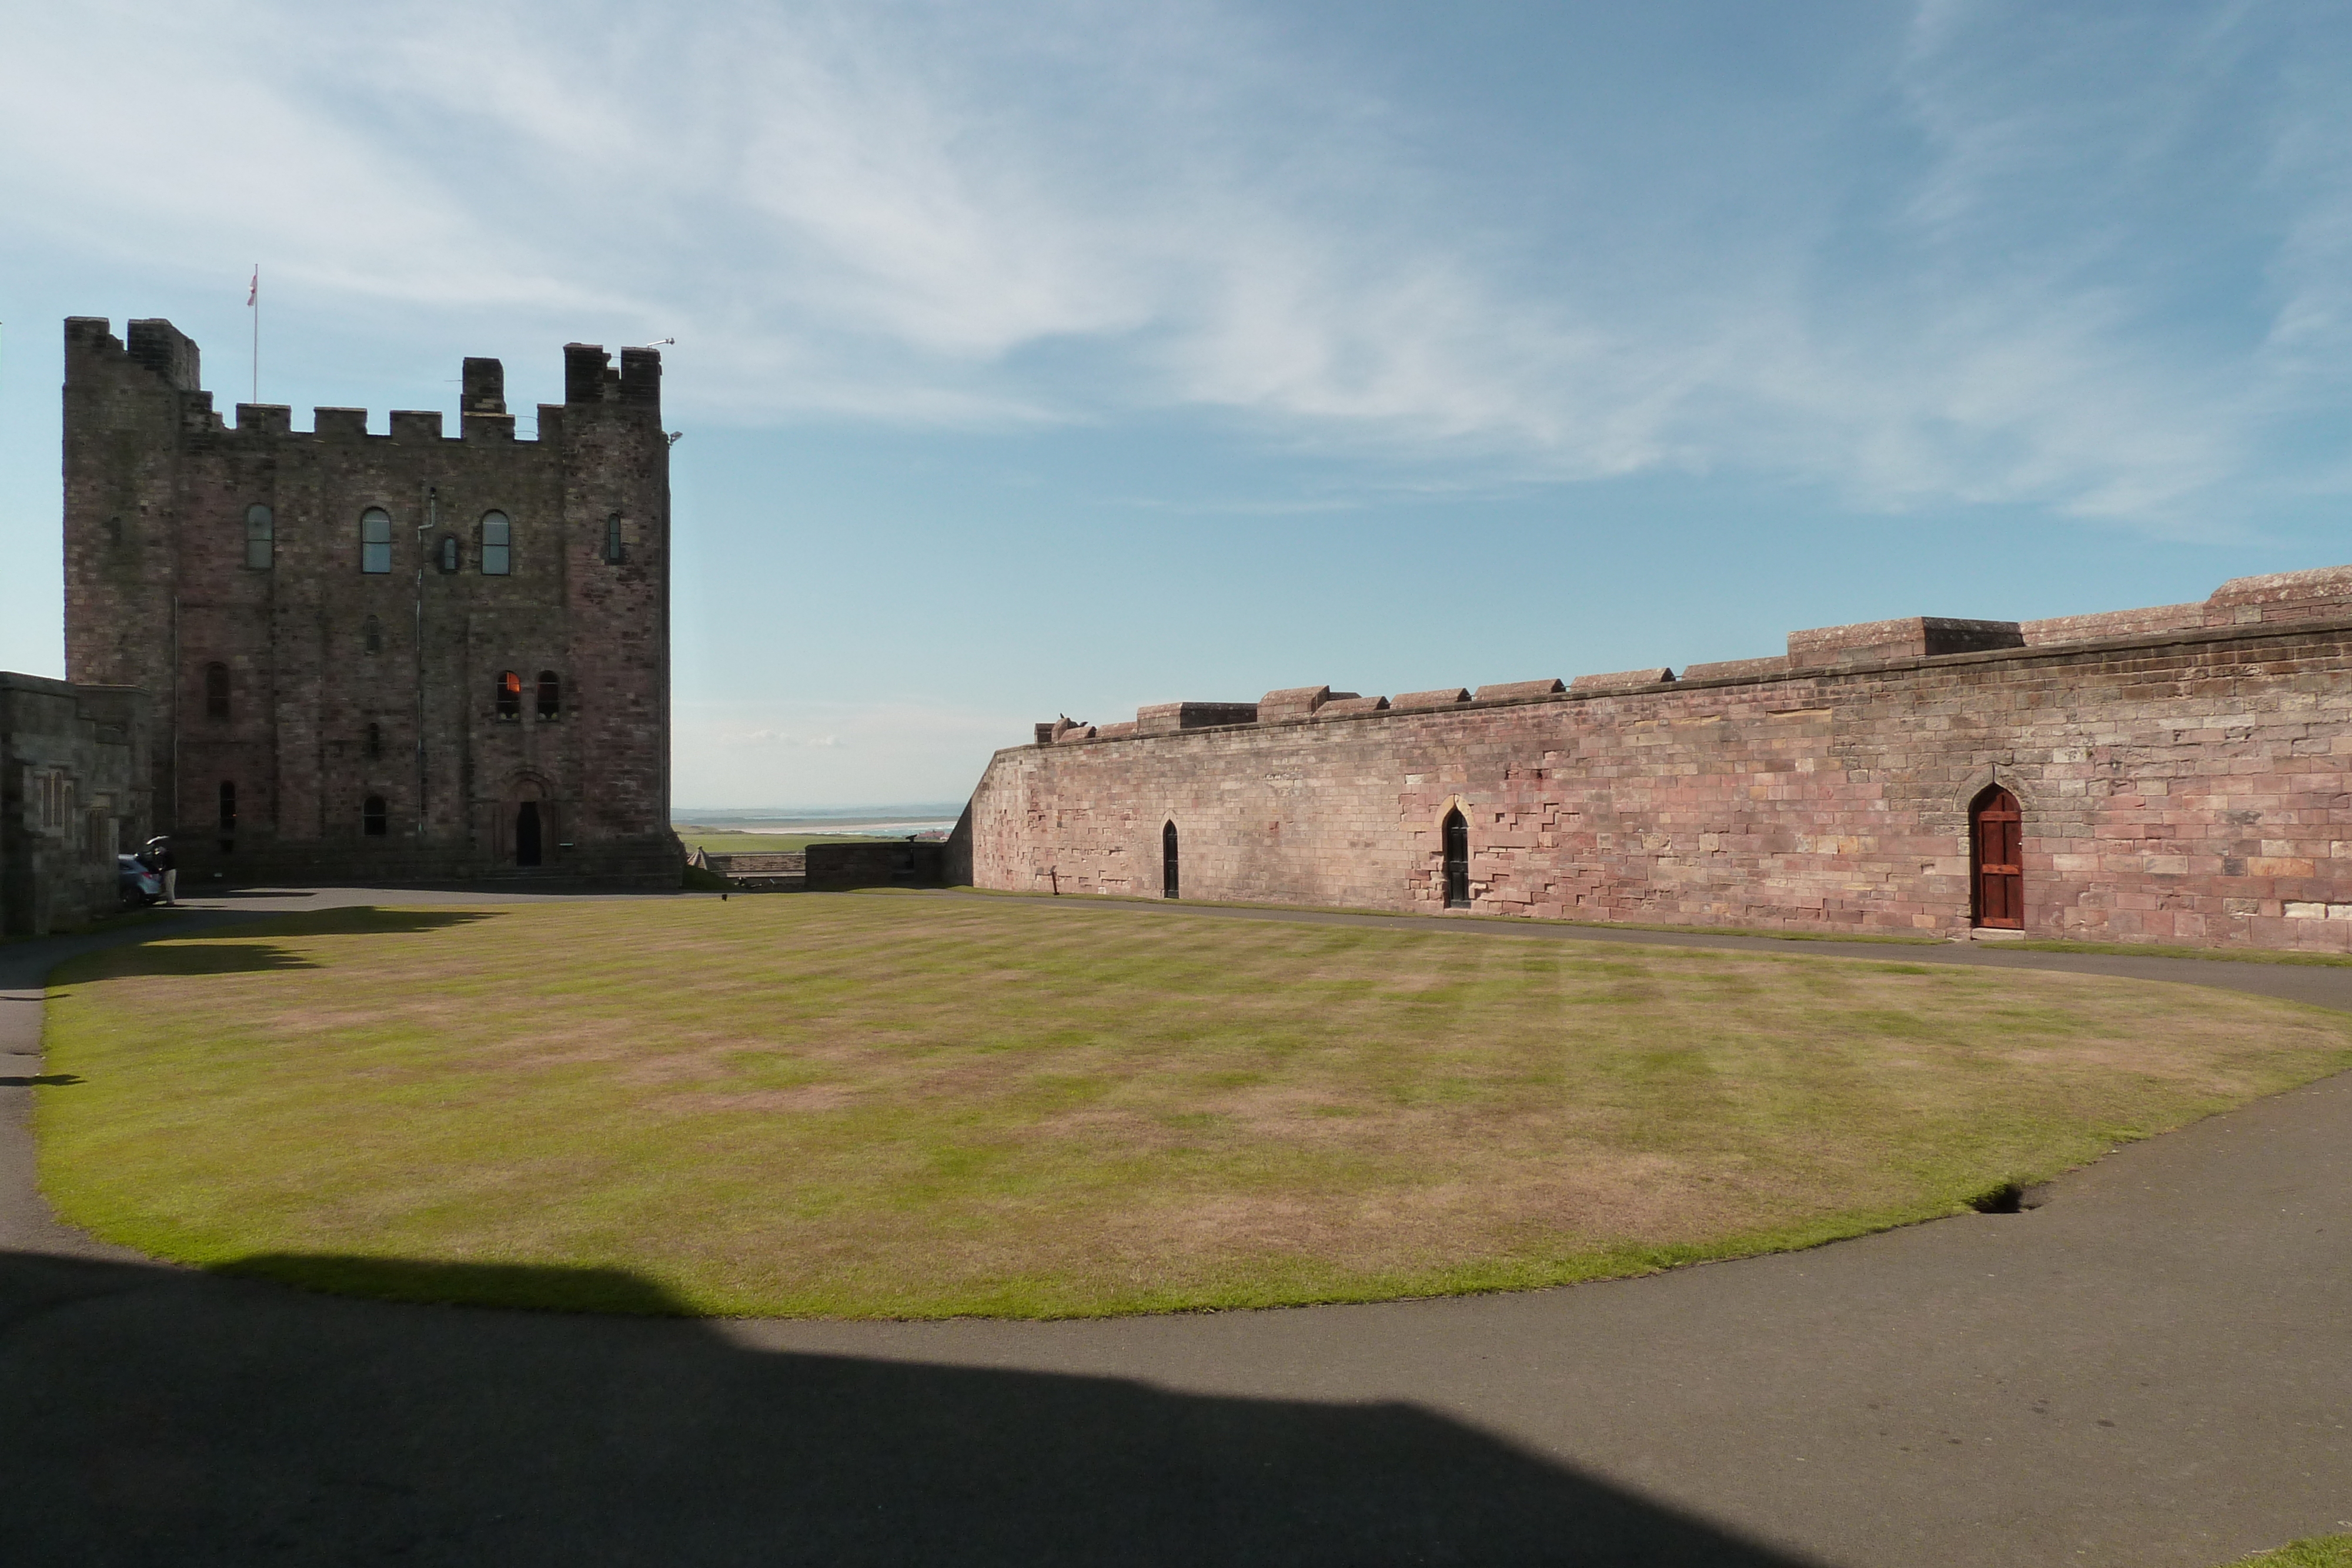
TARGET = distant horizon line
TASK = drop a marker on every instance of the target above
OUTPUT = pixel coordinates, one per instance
(762, 813)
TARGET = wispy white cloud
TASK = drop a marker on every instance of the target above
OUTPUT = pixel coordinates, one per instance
(1064, 210)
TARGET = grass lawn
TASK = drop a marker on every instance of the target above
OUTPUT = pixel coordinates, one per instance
(2318, 1552)
(889, 1105)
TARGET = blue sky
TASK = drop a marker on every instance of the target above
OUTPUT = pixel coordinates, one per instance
(1040, 358)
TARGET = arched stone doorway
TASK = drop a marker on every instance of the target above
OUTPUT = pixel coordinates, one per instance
(525, 827)
(1996, 850)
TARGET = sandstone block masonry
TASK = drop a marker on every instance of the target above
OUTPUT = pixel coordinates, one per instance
(2174, 775)
(411, 656)
(73, 795)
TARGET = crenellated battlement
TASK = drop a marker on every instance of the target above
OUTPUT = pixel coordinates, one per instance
(159, 357)
(2324, 594)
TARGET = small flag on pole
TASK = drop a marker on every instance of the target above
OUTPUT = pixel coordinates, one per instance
(253, 294)
(253, 303)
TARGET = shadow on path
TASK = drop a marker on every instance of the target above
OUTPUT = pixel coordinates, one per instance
(148, 1415)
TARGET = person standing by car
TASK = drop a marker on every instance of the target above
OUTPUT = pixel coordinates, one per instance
(157, 857)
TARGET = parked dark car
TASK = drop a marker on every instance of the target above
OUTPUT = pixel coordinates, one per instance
(135, 882)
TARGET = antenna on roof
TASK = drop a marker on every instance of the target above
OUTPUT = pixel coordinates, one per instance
(658, 343)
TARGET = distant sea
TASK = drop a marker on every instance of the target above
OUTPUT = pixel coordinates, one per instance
(923, 817)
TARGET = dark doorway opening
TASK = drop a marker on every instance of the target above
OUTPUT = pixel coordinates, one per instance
(1457, 860)
(1996, 844)
(527, 834)
(1167, 861)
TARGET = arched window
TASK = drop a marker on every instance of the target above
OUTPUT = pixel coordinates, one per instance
(615, 550)
(550, 695)
(448, 553)
(260, 537)
(372, 816)
(497, 545)
(375, 740)
(228, 806)
(216, 690)
(1996, 842)
(1167, 861)
(509, 695)
(1457, 861)
(375, 541)
(375, 635)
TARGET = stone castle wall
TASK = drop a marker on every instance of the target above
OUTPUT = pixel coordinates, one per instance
(73, 795)
(347, 685)
(2182, 774)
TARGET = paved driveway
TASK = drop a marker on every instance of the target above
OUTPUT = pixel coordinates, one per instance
(2156, 1368)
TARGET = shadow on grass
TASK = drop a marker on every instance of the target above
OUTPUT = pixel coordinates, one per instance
(242, 947)
(164, 1415)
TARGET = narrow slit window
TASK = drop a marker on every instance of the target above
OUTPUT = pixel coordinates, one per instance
(510, 696)
(260, 537)
(449, 553)
(1168, 881)
(497, 545)
(1457, 861)
(228, 806)
(615, 550)
(375, 541)
(551, 695)
(375, 740)
(216, 690)
(372, 817)
(375, 640)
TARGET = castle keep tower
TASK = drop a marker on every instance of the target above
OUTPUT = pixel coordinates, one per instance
(406, 657)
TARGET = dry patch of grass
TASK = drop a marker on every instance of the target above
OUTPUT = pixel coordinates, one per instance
(876, 1105)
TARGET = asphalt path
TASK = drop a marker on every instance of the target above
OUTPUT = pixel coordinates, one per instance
(2154, 1367)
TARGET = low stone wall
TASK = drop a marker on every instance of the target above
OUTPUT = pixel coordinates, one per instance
(760, 862)
(834, 868)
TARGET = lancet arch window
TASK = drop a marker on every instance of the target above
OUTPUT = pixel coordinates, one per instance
(1456, 835)
(448, 555)
(260, 537)
(1168, 878)
(497, 545)
(376, 542)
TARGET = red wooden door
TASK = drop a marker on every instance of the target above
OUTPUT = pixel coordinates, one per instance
(1997, 833)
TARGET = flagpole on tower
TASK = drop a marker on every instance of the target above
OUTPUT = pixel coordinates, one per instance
(253, 303)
